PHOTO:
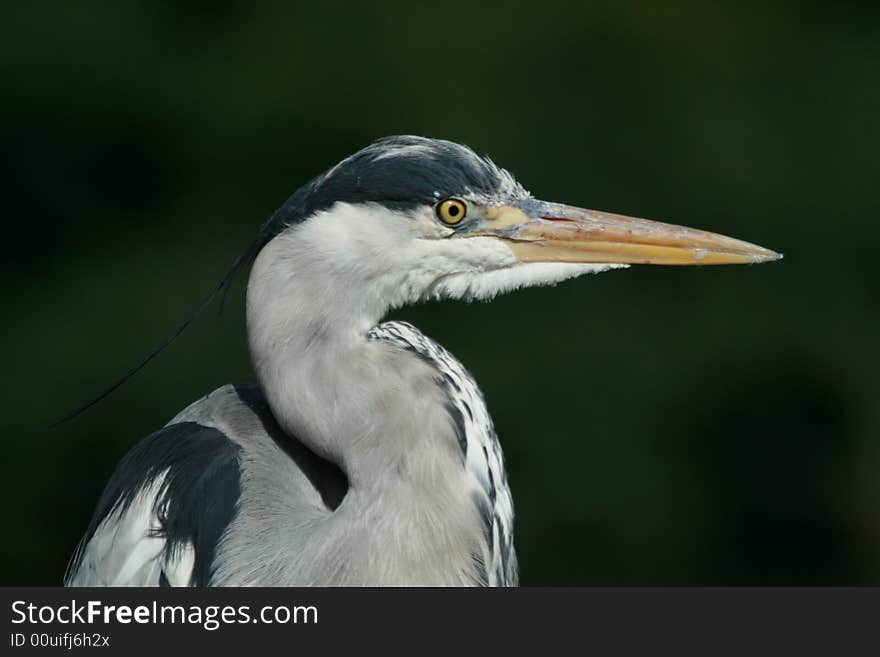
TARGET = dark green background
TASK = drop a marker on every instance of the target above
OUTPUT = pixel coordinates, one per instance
(661, 426)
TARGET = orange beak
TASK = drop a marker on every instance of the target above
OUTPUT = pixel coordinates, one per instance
(538, 231)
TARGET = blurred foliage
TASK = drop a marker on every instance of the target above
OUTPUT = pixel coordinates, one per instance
(662, 426)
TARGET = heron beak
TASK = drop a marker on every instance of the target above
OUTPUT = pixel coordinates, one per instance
(538, 231)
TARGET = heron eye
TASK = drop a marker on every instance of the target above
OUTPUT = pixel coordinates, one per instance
(451, 211)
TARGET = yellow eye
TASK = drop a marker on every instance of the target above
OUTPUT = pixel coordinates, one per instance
(451, 211)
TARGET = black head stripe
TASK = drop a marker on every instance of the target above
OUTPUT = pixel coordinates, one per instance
(398, 172)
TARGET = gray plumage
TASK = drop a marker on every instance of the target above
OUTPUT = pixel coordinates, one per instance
(291, 497)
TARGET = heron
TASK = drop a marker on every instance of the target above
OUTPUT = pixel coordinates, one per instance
(365, 454)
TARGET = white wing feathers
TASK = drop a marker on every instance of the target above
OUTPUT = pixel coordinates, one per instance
(128, 548)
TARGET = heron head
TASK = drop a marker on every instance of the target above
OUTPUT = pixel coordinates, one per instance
(413, 218)
(408, 219)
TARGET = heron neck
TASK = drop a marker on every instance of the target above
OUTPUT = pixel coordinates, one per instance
(376, 411)
(361, 403)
